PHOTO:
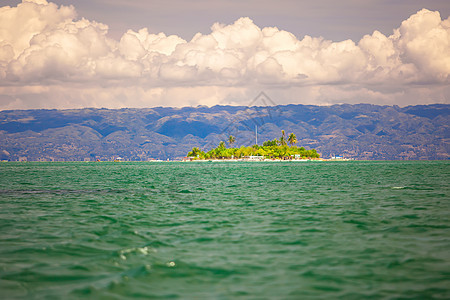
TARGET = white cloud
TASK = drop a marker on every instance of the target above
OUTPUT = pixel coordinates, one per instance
(44, 45)
(425, 42)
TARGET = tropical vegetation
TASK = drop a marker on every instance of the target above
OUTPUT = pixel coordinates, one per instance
(272, 149)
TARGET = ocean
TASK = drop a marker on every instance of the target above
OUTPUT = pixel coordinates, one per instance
(225, 230)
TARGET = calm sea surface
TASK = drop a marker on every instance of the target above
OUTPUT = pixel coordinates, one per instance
(261, 230)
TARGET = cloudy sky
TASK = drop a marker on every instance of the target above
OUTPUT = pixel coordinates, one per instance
(125, 53)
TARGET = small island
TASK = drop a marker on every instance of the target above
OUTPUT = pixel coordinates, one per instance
(276, 149)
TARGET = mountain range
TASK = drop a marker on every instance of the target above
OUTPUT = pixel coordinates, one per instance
(361, 131)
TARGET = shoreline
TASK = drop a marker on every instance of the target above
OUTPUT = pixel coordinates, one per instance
(184, 161)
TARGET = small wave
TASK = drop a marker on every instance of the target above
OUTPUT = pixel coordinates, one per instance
(138, 250)
(185, 192)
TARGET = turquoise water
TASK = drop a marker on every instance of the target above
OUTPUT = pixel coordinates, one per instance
(248, 230)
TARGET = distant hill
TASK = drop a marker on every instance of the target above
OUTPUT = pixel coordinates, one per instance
(361, 131)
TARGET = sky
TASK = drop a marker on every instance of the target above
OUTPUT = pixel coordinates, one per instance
(123, 53)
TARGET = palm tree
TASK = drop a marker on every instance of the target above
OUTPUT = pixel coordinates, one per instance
(292, 139)
(195, 152)
(231, 140)
(283, 138)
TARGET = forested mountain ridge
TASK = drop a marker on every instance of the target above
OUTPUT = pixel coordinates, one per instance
(361, 131)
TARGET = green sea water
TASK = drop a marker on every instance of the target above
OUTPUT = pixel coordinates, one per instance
(224, 230)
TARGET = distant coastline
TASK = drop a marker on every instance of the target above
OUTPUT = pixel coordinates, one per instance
(360, 131)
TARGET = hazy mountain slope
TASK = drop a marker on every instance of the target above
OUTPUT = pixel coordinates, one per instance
(361, 131)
